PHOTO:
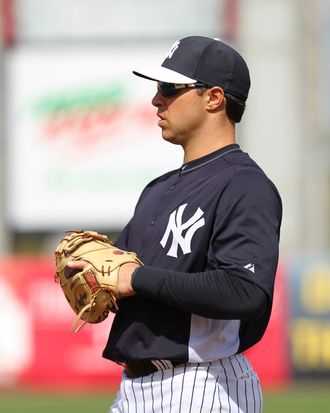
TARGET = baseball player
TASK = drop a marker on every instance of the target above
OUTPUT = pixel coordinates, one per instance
(207, 234)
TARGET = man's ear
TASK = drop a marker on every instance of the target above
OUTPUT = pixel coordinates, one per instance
(215, 98)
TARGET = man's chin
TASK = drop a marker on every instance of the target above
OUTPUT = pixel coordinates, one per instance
(169, 138)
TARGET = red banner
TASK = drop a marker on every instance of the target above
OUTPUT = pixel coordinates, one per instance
(37, 348)
(40, 349)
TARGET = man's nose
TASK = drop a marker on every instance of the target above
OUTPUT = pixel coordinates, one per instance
(157, 100)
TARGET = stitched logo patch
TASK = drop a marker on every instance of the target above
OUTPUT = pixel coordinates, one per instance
(172, 49)
(182, 232)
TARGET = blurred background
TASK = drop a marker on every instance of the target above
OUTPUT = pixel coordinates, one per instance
(79, 141)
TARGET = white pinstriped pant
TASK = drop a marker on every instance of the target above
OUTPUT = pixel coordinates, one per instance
(224, 386)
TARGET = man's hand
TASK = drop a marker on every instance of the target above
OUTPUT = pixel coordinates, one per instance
(124, 279)
(93, 274)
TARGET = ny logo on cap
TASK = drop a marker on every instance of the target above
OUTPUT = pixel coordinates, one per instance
(173, 49)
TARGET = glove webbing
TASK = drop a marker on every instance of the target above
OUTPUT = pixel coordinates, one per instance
(89, 306)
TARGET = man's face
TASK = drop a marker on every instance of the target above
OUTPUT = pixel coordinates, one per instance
(181, 116)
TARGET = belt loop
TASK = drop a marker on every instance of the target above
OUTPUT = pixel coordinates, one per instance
(162, 364)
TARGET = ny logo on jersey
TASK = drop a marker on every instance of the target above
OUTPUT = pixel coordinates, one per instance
(176, 227)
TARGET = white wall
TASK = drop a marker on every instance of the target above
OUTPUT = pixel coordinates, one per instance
(269, 36)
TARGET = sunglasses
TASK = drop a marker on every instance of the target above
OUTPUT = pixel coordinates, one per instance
(173, 89)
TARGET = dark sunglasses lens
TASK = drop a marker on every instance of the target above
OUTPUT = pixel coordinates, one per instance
(167, 89)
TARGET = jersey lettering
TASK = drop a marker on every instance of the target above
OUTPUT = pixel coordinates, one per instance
(176, 227)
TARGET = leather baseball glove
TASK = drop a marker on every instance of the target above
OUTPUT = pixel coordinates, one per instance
(92, 292)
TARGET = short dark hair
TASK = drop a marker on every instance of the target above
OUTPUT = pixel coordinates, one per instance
(235, 107)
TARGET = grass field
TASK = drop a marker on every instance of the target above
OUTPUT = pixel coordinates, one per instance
(306, 398)
(35, 402)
